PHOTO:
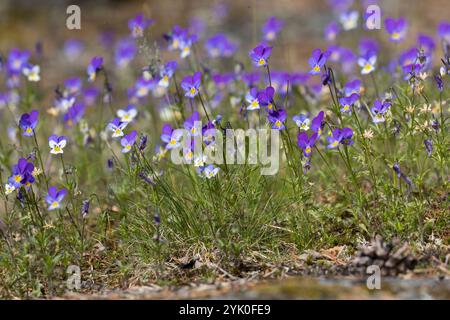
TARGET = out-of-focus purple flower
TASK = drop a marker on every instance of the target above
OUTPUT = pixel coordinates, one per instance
(28, 122)
(125, 52)
(426, 43)
(90, 94)
(72, 49)
(318, 123)
(368, 47)
(251, 78)
(143, 87)
(277, 119)
(166, 73)
(107, 39)
(347, 102)
(57, 144)
(197, 26)
(326, 77)
(17, 60)
(340, 5)
(54, 197)
(305, 143)
(138, 24)
(331, 31)
(396, 28)
(260, 55)
(32, 72)
(379, 109)
(94, 66)
(128, 141)
(443, 31)
(180, 39)
(317, 61)
(73, 85)
(340, 136)
(428, 146)
(191, 84)
(128, 114)
(74, 114)
(220, 46)
(352, 87)
(271, 28)
(349, 20)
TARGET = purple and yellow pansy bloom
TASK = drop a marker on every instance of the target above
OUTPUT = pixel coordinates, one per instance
(55, 197)
(28, 122)
(57, 144)
(128, 141)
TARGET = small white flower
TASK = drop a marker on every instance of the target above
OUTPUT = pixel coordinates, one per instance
(32, 73)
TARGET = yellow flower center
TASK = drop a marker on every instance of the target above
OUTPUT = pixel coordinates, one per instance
(316, 68)
(54, 204)
(278, 123)
(17, 178)
(308, 149)
(192, 91)
(261, 62)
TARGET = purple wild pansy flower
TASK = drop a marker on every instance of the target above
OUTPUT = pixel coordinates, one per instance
(305, 143)
(54, 197)
(220, 46)
(396, 28)
(94, 67)
(138, 24)
(331, 31)
(28, 122)
(367, 64)
(265, 98)
(347, 102)
(251, 78)
(317, 61)
(252, 99)
(271, 28)
(193, 125)
(302, 121)
(260, 55)
(277, 119)
(128, 141)
(166, 73)
(117, 127)
(340, 136)
(190, 84)
(180, 39)
(171, 137)
(57, 144)
(318, 123)
(125, 52)
(21, 173)
(379, 109)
